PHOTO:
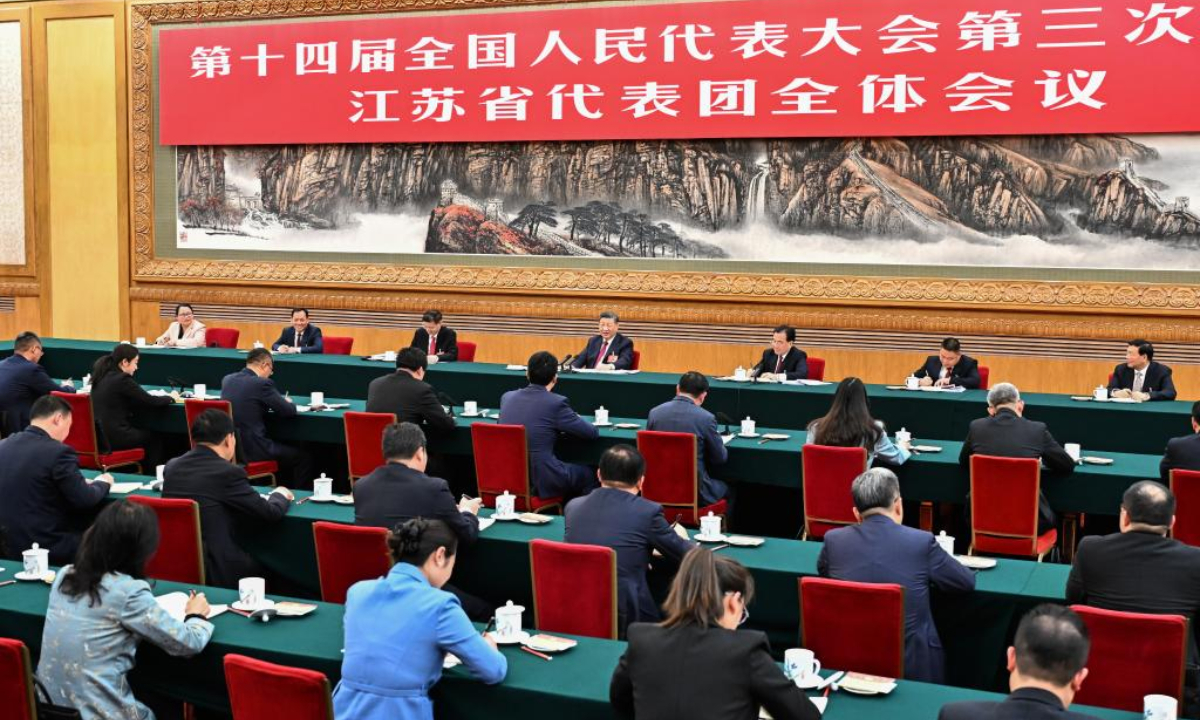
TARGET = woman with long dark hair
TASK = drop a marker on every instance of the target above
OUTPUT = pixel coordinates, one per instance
(697, 663)
(101, 608)
(117, 397)
(849, 424)
(400, 627)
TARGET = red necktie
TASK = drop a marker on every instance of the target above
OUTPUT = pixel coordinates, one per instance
(603, 352)
(778, 363)
(432, 345)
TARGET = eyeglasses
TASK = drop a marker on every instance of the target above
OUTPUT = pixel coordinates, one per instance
(745, 608)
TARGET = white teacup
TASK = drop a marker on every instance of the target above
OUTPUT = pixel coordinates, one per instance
(323, 487)
(710, 526)
(1160, 707)
(252, 591)
(601, 415)
(470, 407)
(1074, 450)
(508, 621)
(748, 427)
(389, 355)
(1100, 393)
(258, 345)
(800, 664)
(912, 382)
(36, 560)
(739, 373)
(160, 473)
(140, 342)
(506, 504)
(317, 399)
(903, 436)
(945, 541)
(199, 391)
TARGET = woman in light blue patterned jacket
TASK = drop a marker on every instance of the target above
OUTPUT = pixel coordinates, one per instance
(101, 608)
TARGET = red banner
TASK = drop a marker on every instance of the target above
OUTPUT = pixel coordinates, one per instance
(756, 68)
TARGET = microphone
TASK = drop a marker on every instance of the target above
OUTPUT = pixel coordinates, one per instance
(564, 364)
(175, 383)
(449, 401)
(756, 371)
(723, 418)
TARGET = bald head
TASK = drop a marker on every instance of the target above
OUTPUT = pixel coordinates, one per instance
(1148, 505)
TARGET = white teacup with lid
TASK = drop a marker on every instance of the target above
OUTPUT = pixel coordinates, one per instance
(508, 622)
(506, 504)
(710, 526)
(36, 560)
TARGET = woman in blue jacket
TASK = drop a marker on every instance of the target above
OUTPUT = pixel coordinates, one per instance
(400, 627)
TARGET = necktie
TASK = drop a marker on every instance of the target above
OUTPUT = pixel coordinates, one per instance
(297, 341)
(778, 363)
(1139, 377)
(603, 353)
(432, 345)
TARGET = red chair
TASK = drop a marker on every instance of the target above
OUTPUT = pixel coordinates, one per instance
(574, 588)
(984, 373)
(255, 470)
(502, 464)
(868, 639)
(338, 345)
(466, 351)
(364, 441)
(84, 442)
(1185, 484)
(671, 476)
(222, 337)
(180, 555)
(259, 689)
(16, 680)
(1132, 655)
(828, 474)
(816, 369)
(1004, 507)
(347, 554)
(637, 360)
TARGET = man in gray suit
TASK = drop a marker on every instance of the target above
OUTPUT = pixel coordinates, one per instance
(684, 414)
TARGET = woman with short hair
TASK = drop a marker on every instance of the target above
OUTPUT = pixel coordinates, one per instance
(185, 332)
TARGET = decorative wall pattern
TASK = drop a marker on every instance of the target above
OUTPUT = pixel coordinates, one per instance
(12, 148)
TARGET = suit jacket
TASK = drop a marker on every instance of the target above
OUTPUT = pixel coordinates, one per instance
(1021, 704)
(252, 399)
(310, 341)
(795, 363)
(1157, 382)
(1137, 572)
(965, 372)
(115, 401)
(879, 550)
(46, 499)
(680, 414)
(711, 673)
(544, 415)
(411, 399)
(622, 347)
(394, 493)
(1182, 453)
(446, 346)
(632, 526)
(22, 382)
(228, 505)
(194, 336)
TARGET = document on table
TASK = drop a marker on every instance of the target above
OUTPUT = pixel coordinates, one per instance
(485, 523)
(175, 604)
(806, 381)
(125, 488)
(514, 367)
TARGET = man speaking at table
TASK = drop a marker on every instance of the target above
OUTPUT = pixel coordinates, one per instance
(610, 350)
(301, 337)
(950, 367)
(783, 360)
(1139, 377)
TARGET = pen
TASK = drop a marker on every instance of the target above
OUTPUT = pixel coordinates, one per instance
(720, 547)
(535, 652)
(7, 582)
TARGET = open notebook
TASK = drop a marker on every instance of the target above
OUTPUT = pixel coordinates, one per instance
(174, 603)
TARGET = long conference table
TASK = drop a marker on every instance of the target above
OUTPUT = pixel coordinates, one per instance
(574, 684)
(1132, 428)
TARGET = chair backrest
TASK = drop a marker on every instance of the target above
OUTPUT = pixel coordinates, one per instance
(637, 360)
(501, 462)
(1132, 655)
(816, 368)
(364, 441)
(670, 470)
(16, 680)
(82, 437)
(828, 473)
(193, 407)
(222, 337)
(1185, 484)
(466, 351)
(259, 689)
(338, 345)
(180, 554)
(347, 554)
(984, 374)
(868, 639)
(574, 588)
(1004, 504)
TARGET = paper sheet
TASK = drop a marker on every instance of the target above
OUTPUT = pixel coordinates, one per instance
(176, 602)
(125, 488)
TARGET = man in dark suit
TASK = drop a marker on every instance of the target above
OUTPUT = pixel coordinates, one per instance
(1005, 433)
(228, 503)
(783, 360)
(881, 549)
(949, 367)
(1183, 453)
(1046, 664)
(610, 350)
(684, 414)
(436, 340)
(300, 337)
(23, 380)
(406, 394)
(46, 500)
(252, 396)
(545, 415)
(616, 516)
(1139, 377)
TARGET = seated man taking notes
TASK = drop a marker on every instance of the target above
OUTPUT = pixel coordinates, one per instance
(783, 360)
(683, 414)
(610, 350)
(22, 381)
(950, 367)
(253, 398)
(1139, 377)
(301, 337)
(439, 343)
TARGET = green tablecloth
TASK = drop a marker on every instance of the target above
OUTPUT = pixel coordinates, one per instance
(1142, 428)
(574, 684)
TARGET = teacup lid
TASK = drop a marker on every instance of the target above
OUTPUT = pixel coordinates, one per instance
(33, 549)
(509, 607)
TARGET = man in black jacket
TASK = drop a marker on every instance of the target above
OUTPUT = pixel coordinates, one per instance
(1047, 666)
(22, 381)
(1183, 453)
(783, 360)
(435, 339)
(406, 394)
(950, 367)
(228, 503)
(1005, 433)
(252, 396)
(300, 337)
(1139, 377)
(46, 500)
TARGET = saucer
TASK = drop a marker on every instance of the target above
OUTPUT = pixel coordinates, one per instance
(602, 424)
(533, 518)
(481, 413)
(314, 498)
(709, 538)
(809, 683)
(505, 518)
(522, 637)
(748, 435)
(976, 563)
(28, 576)
(237, 605)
